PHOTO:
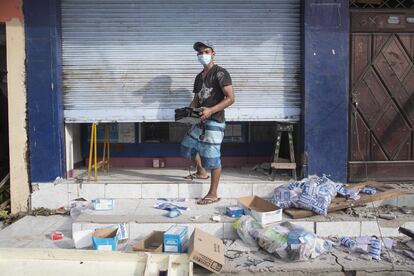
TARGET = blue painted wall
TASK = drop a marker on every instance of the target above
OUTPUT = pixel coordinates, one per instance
(326, 67)
(44, 89)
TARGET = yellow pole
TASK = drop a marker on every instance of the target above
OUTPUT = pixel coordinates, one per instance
(90, 153)
(104, 150)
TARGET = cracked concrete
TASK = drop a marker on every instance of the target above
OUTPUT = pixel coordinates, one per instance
(240, 259)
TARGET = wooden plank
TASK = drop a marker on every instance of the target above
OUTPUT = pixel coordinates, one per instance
(382, 194)
(284, 166)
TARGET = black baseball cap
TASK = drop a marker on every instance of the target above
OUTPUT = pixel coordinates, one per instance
(205, 43)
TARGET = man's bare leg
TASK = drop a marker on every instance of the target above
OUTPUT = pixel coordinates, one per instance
(201, 172)
(215, 178)
(212, 193)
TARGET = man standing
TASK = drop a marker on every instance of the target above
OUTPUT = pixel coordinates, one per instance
(213, 92)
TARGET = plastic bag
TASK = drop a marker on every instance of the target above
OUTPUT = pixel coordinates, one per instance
(313, 193)
(274, 239)
(304, 245)
(284, 240)
(79, 206)
(285, 196)
(247, 228)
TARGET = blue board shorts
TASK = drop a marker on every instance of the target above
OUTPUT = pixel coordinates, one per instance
(207, 145)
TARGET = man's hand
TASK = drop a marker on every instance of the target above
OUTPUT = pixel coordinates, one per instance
(206, 113)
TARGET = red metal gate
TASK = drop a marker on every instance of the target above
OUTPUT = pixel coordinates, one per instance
(382, 96)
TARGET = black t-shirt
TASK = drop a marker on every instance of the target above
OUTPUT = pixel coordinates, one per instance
(209, 90)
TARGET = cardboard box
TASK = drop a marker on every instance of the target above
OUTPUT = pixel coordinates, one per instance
(151, 243)
(263, 211)
(206, 251)
(103, 204)
(176, 239)
(105, 239)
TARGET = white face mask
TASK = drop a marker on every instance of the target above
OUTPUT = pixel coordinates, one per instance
(204, 59)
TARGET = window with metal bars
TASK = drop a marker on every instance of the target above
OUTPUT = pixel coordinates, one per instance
(381, 4)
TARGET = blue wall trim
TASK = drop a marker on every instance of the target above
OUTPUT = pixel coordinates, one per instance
(326, 87)
(44, 89)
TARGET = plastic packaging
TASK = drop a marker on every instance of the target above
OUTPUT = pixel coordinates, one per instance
(274, 239)
(304, 245)
(247, 228)
(348, 243)
(174, 213)
(170, 206)
(77, 207)
(313, 193)
(375, 249)
(369, 190)
(284, 240)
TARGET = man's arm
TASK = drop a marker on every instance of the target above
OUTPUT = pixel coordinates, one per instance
(226, 102)
(193, 103)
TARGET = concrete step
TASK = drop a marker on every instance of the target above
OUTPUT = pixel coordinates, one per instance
(55, 195)
(142, 218)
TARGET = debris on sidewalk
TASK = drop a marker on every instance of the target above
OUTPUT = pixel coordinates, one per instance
(406, 232)
(406, 210)
(77, 206)
(234, 211)
(174, 213)
(170, 206)
(314, 195)
(103, 204)
(283, 240)
(174, 210)
(195, 218)
(48, 212)
(410, 244)
(387, 216)
(216, 218)
(375, 249)
(173, 199)
(57, 236)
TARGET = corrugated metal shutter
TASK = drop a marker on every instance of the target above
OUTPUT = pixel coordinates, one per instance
(133, 61)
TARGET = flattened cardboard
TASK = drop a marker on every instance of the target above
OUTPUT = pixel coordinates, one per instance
(263, 211)
(151, 243)
(206, 251)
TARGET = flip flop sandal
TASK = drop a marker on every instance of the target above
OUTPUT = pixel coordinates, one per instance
(207, 200)
(195, 176)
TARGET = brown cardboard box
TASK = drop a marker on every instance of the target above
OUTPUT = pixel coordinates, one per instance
(206, 251)
(151, 243)
(263, 211)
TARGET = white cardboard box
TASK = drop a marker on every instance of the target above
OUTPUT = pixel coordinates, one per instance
(103, 204)
(263, 211)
